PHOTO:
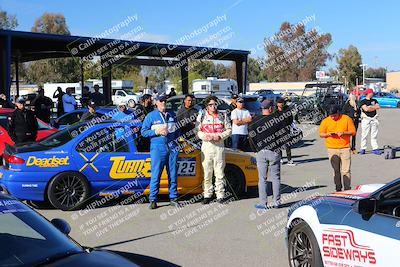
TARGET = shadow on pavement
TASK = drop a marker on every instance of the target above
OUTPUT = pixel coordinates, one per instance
(143, 260)
(302, 161)
(285, 189)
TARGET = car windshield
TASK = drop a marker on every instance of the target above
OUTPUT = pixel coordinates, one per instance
(29, 238)
(62, 137)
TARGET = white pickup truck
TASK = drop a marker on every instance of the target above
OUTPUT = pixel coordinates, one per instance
(125, 96)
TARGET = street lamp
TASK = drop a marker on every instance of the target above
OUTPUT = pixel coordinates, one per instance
(363, 68)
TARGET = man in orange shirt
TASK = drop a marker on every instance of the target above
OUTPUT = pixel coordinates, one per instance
(337, 130)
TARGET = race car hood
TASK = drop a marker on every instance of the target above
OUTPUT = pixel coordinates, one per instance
(98, 258)
(361, 191)
(343, 198)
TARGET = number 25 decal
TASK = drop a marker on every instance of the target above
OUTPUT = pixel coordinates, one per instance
(186, 168)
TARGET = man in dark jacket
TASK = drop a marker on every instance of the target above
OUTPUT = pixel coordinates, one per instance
(22, 124)
(187, 118)
(43, 106)
(59, 95)
(97, 97)
(145, 107)
(91, 114)
(284, 110)
(352, 110)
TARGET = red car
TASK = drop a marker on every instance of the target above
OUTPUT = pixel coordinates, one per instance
(43, 131)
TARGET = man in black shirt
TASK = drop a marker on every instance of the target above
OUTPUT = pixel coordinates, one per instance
(283, 110)
(369, 122)
(43, 106)
(145, 107)
(232, 105)
(60, 107)
(22, 124)
(187, 118)
(97, 97)
(91, 114)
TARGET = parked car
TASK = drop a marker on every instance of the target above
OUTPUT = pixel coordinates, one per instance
(74, 116)
(251, 103)
(86, 161)
(30, 240)
(44, 129)
(126, 96)
(386, 100)
(351, 228)
(267, 94)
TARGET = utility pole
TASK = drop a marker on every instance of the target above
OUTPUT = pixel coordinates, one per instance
(363, 68)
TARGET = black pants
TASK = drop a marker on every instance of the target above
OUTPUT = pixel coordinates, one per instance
(288, 153)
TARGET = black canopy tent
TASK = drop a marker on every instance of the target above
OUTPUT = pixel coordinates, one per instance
(17, 47)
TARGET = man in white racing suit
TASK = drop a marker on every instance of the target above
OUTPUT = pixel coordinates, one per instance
(213, 128)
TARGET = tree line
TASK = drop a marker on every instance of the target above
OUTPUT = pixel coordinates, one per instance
(294, 55)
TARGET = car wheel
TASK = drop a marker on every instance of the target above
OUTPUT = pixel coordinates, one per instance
(235, 180)
(303, 247)
(68, 191)
(131, 103)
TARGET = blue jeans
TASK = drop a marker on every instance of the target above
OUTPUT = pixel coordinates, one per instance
(238, 141)
(162, 156)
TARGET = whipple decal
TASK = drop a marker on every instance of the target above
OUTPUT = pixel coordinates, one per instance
(340, 248)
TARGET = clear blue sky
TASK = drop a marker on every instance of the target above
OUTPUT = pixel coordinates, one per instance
(372, 26)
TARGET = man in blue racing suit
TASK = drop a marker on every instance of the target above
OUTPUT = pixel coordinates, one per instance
(160, 126)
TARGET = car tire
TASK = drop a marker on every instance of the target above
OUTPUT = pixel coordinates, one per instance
(303, 249)
(235, 181)
(68, 191)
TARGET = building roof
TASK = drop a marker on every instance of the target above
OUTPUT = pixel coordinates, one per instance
(29, 46)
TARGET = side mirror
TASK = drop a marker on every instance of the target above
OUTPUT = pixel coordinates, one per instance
(365, 206)
(61, 225)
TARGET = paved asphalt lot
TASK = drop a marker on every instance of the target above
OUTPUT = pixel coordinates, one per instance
(229, 235)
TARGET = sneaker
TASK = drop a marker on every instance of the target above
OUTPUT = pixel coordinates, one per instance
(291, 163)
(261, 206)
(153, 205)
(206, 200)
(376, 151)
(174, 202)
(362, 151)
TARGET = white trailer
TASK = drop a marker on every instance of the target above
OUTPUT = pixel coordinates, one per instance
(212, 85)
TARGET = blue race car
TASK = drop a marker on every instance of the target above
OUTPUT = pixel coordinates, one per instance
(55, 169)
(351, 228)
(27, 239)
(386, 100)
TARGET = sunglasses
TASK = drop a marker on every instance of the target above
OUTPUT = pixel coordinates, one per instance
(162, 100)
(212, 105)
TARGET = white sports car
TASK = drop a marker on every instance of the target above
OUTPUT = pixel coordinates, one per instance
(358, 227)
